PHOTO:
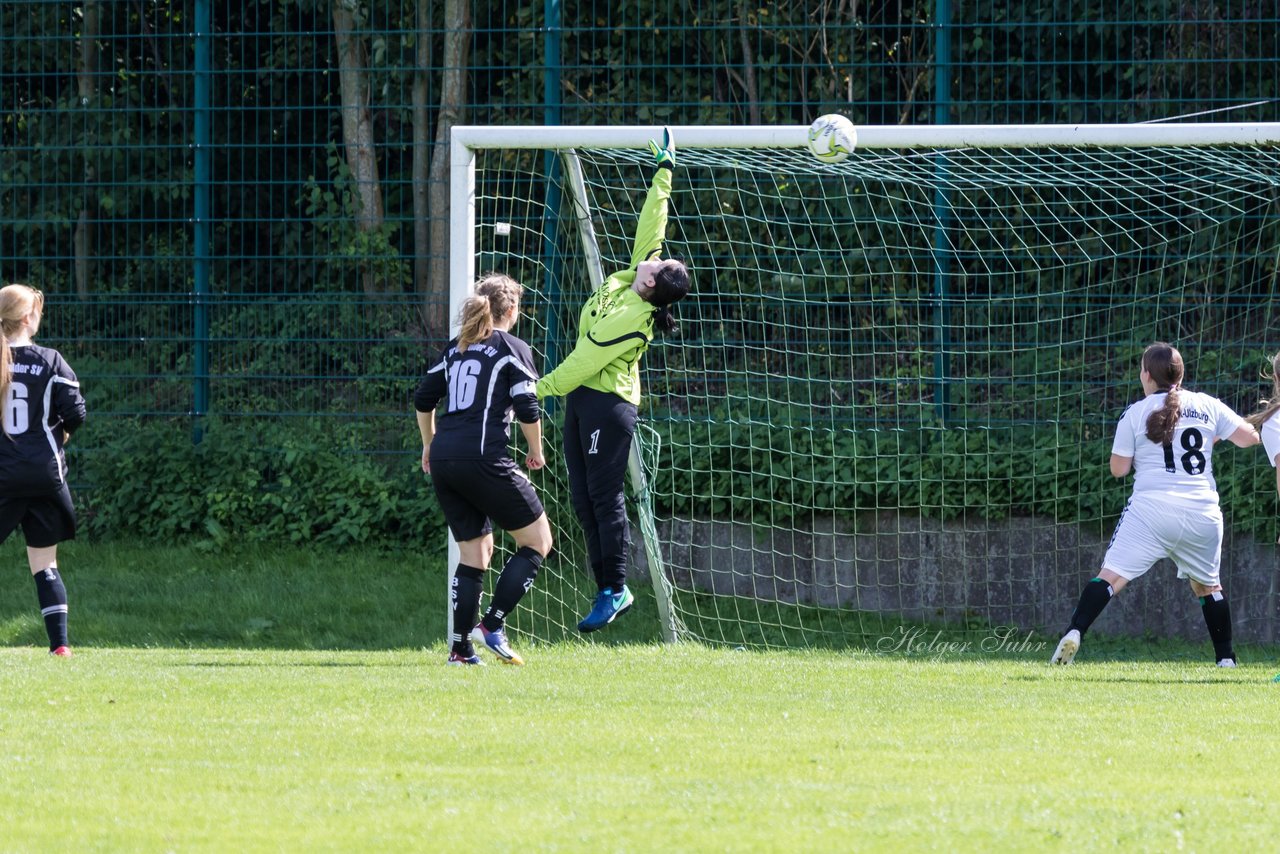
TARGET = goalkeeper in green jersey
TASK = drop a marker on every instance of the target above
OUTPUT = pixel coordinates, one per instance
(600, 381)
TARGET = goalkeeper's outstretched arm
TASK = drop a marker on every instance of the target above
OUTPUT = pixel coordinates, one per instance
(651, 230)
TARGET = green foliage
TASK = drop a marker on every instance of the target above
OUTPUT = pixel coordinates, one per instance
(773, 474)
(290, 334)
(340, 243)
(255, 482)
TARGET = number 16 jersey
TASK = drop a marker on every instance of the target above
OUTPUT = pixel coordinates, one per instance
(479, 391)
(1182, 469)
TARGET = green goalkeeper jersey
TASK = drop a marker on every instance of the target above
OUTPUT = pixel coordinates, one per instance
(616, 324)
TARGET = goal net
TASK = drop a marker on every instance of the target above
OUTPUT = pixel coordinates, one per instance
(889, 408)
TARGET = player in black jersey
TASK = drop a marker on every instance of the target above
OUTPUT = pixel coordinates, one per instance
(465, 405)
(42, 407)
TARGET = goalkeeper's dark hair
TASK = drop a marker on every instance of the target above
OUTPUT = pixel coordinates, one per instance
(492, 298)
(1270, 405)
(1164, 364)
(670, 285)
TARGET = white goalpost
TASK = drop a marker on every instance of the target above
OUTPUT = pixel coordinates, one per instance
(889, 406)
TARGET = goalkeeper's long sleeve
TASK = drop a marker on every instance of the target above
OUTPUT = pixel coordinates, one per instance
(616, 324)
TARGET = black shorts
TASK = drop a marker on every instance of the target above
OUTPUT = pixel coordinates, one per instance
(474, 494)
(46, 520)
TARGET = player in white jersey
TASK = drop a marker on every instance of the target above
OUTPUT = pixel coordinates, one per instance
(1167, 439)
(1267, 420)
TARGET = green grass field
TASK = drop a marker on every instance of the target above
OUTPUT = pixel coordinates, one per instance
(209, 731)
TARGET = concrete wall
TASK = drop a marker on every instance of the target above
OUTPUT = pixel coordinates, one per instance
(1023, 572)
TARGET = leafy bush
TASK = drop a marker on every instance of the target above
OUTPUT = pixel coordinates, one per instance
(255, 482)
(767, 475)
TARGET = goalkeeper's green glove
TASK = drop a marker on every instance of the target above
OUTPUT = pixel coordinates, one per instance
(664, 155)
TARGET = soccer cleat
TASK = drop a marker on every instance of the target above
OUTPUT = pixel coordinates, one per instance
(459, 659)
(1067, 648)
(608, 607)
(1227, 662)
(496, 641)
(61, 652)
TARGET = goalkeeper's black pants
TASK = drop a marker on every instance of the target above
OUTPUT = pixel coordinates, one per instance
(598, 429)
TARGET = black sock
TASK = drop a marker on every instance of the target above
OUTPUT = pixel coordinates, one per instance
(1217, 616)
(53, 605)
(464, 599)
(1095, 596)
(516, 579)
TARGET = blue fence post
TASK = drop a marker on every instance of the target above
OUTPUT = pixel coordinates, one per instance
(552, 169)
(200, 221)
(942, 253)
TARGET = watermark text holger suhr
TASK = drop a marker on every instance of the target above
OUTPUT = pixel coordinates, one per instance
(914, 640)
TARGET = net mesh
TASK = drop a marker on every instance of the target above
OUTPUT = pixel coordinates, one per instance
(892, 399)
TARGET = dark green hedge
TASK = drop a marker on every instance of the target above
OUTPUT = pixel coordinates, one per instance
(254, 482)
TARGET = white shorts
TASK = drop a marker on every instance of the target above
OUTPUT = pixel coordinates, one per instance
(1154, 527)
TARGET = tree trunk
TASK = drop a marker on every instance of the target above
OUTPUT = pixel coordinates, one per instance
(357, 126)
(748, 64)
(87, 89)
(422, 153)
(457, 40)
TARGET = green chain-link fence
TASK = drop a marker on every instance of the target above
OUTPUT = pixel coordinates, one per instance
(236, 208)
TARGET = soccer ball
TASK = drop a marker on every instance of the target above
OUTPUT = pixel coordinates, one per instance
(831, 138)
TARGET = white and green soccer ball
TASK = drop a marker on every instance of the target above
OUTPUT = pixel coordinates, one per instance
(832, 137)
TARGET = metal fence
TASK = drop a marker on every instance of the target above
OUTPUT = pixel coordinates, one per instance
(234, 208)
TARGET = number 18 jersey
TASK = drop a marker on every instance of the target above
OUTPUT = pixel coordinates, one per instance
(1184, 467)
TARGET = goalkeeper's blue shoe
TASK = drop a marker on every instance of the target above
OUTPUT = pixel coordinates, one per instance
(496, 641)
(460, 659)
(607, 608)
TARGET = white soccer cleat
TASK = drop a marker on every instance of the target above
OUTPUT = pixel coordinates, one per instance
(1067, 648)
(1227, 662)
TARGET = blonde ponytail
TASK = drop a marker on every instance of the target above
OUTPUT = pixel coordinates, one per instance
(6, 377)
(1269, 405)
(492, 298)
(477, 322)
(16, 304)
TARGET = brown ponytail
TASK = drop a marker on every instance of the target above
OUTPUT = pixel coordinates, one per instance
(1164, 365)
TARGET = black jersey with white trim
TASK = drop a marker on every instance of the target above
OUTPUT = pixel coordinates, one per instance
(43, 407)
(476, 394)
